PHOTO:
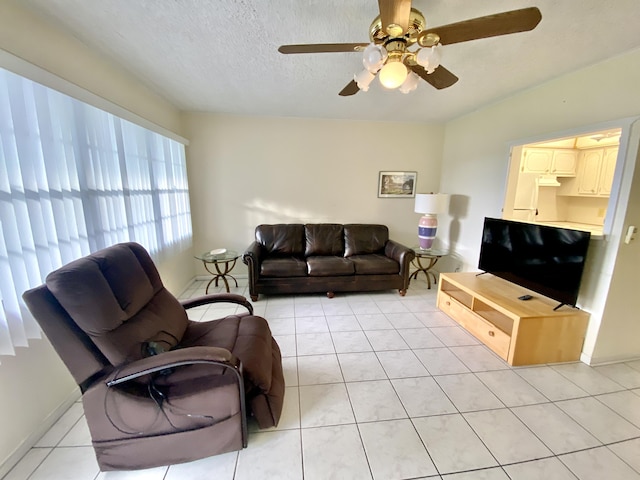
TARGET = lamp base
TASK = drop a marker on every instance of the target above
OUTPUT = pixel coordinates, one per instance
(427, 228)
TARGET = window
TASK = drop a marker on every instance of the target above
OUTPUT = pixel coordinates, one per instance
(75, 179)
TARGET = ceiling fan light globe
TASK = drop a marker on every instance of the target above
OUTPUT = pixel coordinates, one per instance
(429, 58)
(364, 79)
(373, 57)
(410, 84)
(393, 74)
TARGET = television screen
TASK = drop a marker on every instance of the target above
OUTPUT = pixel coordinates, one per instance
(545, 259)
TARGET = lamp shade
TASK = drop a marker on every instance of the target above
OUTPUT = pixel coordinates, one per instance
(432, 203)
(364, 79)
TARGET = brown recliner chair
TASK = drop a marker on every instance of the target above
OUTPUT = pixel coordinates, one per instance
(157, 388)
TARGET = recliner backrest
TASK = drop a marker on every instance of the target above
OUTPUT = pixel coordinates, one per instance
(117, 298)
(75, 348)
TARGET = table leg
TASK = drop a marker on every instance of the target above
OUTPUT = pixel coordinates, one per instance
(425, 269)
(228, 266)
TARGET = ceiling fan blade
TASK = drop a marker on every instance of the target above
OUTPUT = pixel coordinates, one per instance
(504, 23)
(350, 89)
(440, 78)
(322, 48)
(395, 12)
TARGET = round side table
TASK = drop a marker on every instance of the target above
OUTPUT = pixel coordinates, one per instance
(223, 264)
(430, 258)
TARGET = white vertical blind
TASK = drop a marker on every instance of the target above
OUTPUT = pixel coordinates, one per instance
(75, 179)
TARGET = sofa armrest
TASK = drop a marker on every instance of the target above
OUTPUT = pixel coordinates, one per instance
(252, 257)
(218, 298)
(403, 255)
(399, 252)
(174, 358)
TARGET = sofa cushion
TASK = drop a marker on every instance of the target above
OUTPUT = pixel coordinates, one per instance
(374, 264)
(283, 267)
(329, 265)
(324, 239)
(362, 239)
(282, 240)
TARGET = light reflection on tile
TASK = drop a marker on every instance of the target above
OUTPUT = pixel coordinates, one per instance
(220, 467)
(508, 439)
(375, 400)
(271, 456)
(452, 443)
(342, 453)
(395, 450)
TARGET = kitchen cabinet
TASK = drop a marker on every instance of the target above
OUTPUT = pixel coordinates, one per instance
(545, 161)
(607, 170)
(595, 172)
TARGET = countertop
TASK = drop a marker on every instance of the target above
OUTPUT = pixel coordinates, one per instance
(595, 230)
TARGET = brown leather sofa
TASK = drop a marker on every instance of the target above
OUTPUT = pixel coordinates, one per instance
(325, 257)
(157, 388)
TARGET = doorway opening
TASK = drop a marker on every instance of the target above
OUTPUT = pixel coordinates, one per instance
(564, 182)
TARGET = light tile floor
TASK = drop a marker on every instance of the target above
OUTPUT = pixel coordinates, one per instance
(386, 387)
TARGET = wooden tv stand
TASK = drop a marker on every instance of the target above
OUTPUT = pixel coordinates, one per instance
(521, 332)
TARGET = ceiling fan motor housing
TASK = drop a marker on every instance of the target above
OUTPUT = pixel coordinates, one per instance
(417, 23)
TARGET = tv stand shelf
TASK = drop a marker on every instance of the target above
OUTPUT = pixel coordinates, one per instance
(521, 332)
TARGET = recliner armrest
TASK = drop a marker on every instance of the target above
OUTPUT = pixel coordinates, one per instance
(218, 298)
(175, 358)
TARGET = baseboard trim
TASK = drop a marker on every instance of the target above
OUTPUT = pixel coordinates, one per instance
(597, 361)
(22, 449)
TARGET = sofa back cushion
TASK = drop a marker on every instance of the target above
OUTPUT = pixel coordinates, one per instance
(361, 239)
(324, 239)
(281, 239)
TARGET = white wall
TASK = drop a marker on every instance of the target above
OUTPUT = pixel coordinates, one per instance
(476, 159)
(621, 336)
(36, 386)
(244, 171)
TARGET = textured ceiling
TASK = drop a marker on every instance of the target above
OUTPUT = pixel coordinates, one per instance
(221, 55)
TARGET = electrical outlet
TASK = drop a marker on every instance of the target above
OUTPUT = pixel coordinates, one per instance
(631, 232)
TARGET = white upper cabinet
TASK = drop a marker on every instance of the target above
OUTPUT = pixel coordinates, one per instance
(564, 163)
(559, 162)
(595, 174)
(590, 163)
(609, 158)
(536, 160)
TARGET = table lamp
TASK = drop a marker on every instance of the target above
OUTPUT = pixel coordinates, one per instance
(430, 205)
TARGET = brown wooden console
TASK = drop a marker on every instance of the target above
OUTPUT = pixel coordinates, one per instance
(521, 332)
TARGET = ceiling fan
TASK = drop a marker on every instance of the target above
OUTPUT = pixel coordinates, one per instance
(399, 27)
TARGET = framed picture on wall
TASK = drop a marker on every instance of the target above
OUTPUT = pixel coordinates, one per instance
(397, 184)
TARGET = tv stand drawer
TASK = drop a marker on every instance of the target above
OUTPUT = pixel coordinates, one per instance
(486, 332)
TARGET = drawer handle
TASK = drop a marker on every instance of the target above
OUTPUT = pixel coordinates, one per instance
(448, 303)
(492, 333)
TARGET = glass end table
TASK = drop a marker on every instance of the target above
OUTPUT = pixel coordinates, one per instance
(430, 257)
(223, 263)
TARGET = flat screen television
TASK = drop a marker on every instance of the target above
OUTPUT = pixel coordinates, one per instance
(545, 259)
